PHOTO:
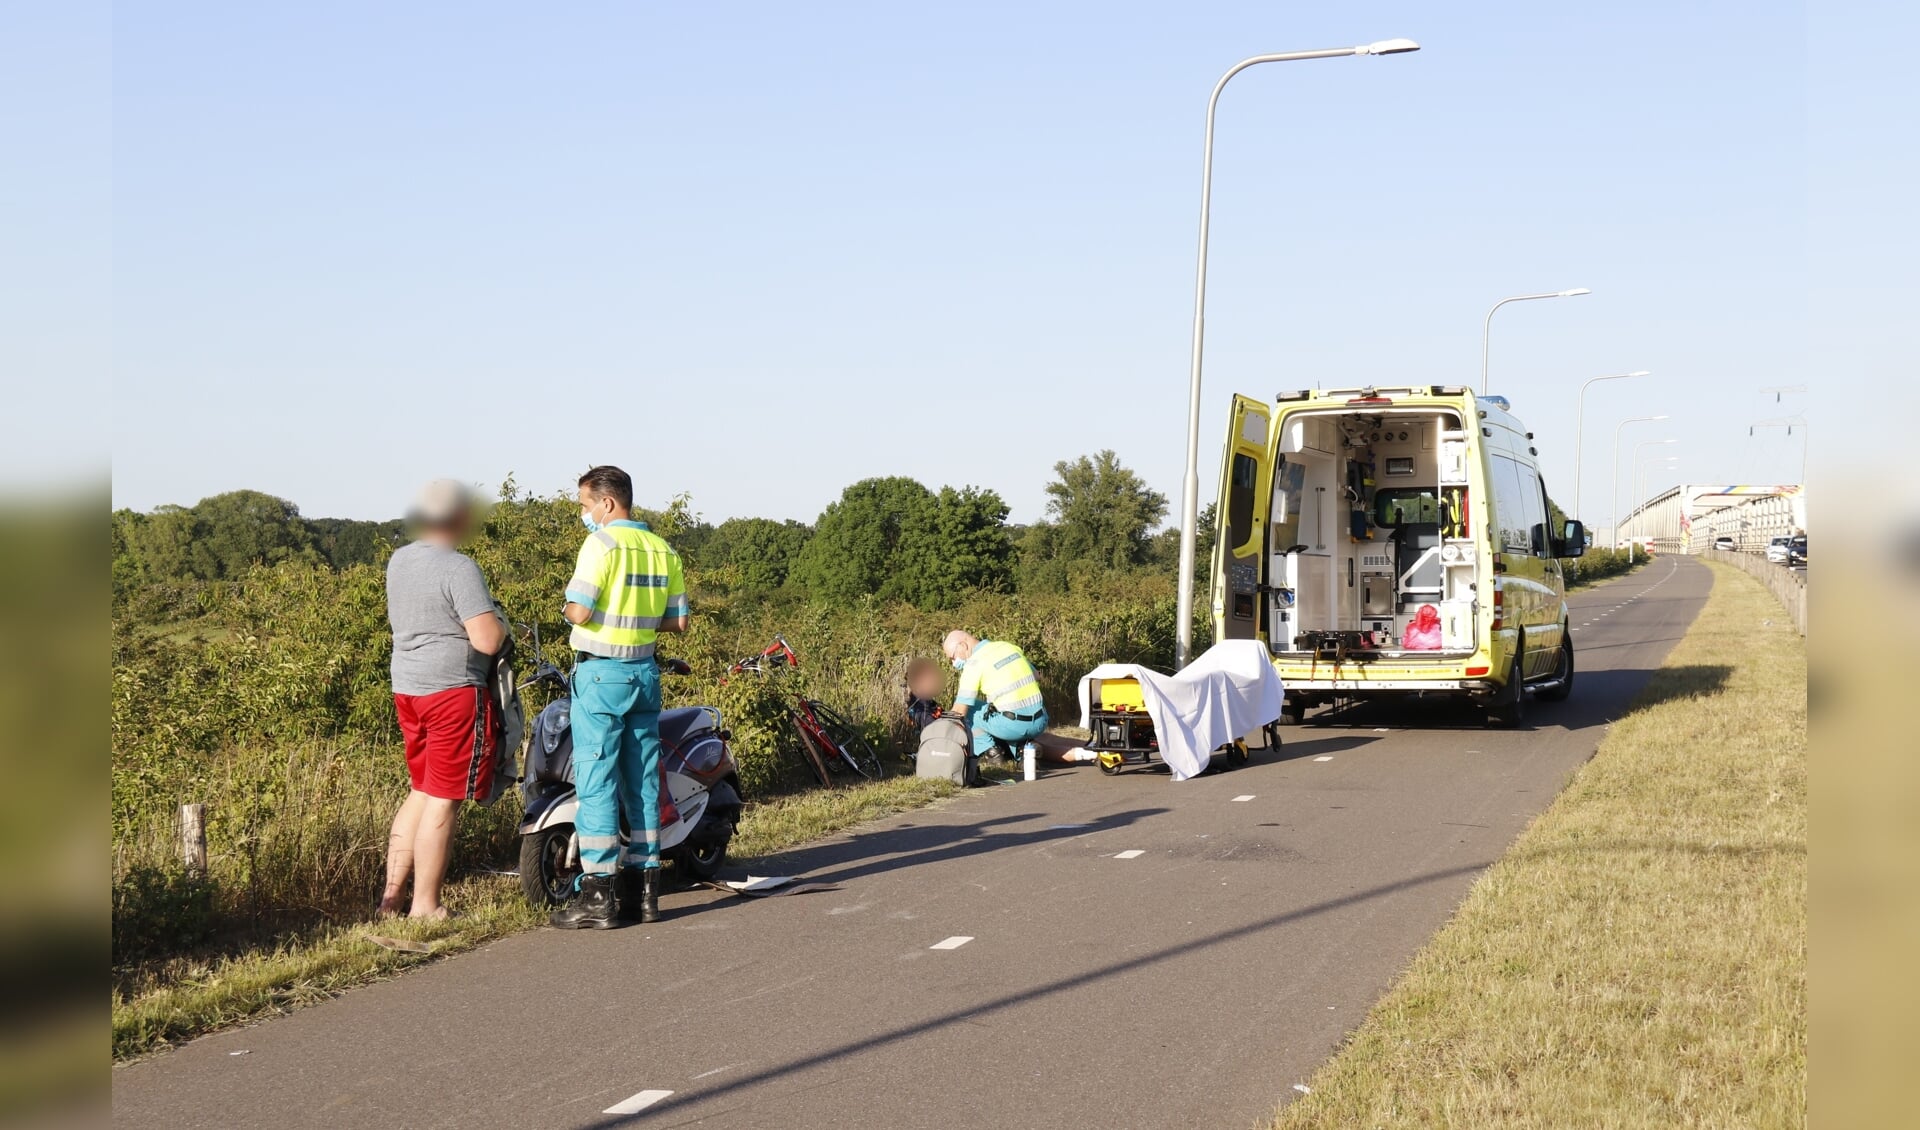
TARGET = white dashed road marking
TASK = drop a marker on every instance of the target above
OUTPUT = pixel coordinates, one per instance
(637, 1103)
(1134, 853)
(1244, 796)
(1324, 757)
(952, 943)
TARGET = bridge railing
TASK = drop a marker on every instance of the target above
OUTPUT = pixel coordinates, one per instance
(1789, 586)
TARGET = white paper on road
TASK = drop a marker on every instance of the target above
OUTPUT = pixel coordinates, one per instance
(1225, 694)
(754, 883)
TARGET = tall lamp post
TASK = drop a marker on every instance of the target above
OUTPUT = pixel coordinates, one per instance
(1580, 432)
(1636, 480)
(1616, 476)
(1190, 500)
(1790, 423)
(1641, 467)
(1486, 331)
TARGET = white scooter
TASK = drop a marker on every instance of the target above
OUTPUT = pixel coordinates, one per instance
(700, 797)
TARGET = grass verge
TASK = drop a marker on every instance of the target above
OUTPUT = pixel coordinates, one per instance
(186, 997)
(1638, 958)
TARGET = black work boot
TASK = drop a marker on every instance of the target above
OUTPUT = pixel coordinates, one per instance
(636, 894)
(592, 907)
(650, 894)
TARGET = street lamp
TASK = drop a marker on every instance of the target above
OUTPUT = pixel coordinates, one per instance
(1190, 501)
(1580, 431)
(1486, 332)
(1636, 480)
(1789, 423)
(1616, 475)
(1640, 470)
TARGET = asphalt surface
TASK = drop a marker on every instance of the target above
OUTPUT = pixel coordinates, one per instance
(1256, 916)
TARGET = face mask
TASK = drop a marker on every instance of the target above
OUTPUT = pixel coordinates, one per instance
(959, 665)
(586, 520)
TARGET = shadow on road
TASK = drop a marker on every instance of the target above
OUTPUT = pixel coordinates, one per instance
(1599, 697)
(916, 845)
(1183, 951)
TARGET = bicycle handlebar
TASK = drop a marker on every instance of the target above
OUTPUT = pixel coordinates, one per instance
(779, 653)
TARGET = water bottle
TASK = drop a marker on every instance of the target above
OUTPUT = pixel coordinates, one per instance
(1028, 755)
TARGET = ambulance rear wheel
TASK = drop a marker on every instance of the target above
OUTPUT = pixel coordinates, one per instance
(1511, 707)
(1293, 713)
(1562, 684)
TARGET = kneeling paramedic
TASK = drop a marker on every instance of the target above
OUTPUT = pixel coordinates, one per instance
(626, 589)
(999, 696)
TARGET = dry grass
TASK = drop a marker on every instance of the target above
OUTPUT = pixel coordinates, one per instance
(165, 1002)
(1639, 956)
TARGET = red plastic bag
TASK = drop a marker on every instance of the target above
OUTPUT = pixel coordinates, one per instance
(1423, 634)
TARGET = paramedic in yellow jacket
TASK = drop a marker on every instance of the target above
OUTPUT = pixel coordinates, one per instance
(627, 588)
(999, 696)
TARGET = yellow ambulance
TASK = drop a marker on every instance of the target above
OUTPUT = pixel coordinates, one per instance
(1393, 541)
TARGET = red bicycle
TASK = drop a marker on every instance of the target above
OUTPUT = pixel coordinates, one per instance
(830, 744)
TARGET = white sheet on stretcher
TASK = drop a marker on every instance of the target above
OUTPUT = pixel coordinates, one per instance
(1229, 692)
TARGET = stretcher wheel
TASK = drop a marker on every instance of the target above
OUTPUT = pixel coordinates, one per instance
(1237, 755)
(1110, 766)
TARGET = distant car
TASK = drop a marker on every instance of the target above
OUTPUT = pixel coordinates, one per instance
(1724, 542)
(1797, 552)
(1777, 550)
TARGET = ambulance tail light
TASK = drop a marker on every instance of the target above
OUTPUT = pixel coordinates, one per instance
(1499, 608)
(1473, 671)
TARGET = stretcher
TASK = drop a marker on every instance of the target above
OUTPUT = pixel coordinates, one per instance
(1122, 733)
(1136, 716)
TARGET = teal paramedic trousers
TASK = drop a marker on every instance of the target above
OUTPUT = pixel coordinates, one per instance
(989, 725)
(616, 762)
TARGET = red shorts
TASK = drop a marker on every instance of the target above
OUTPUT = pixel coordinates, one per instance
(449, 742)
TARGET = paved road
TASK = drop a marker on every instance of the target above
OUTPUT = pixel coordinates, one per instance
(1256, 917)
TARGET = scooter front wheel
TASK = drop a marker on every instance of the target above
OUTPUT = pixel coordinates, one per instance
(703, 862)
(545, 873)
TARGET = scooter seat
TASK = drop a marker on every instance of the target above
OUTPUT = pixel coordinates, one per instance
(680, 722)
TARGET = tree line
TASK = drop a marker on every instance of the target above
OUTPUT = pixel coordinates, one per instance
(889, 538)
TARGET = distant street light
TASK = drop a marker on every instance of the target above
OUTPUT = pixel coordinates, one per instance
(1190, 501)
(1580, 432)
(1616, 473)
(1640, 499)
(1640, 470)
(1486, 332)
(1790, 423)
(1639, 484)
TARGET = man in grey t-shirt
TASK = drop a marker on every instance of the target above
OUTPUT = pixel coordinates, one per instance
(445, 630)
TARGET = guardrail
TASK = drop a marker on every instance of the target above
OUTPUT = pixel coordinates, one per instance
(1789, 586)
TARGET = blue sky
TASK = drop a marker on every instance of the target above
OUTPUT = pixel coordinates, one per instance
(757, 252)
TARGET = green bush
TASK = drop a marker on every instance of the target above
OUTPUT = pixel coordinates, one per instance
(1600, 562)
(158, 910)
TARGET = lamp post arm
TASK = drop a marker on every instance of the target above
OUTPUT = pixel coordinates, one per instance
(1190, 487)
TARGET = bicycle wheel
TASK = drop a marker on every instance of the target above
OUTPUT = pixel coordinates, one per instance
(855, 751)
(812, 756)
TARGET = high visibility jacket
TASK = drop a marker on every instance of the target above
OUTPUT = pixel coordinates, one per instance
(999, 673)
(630, 579)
